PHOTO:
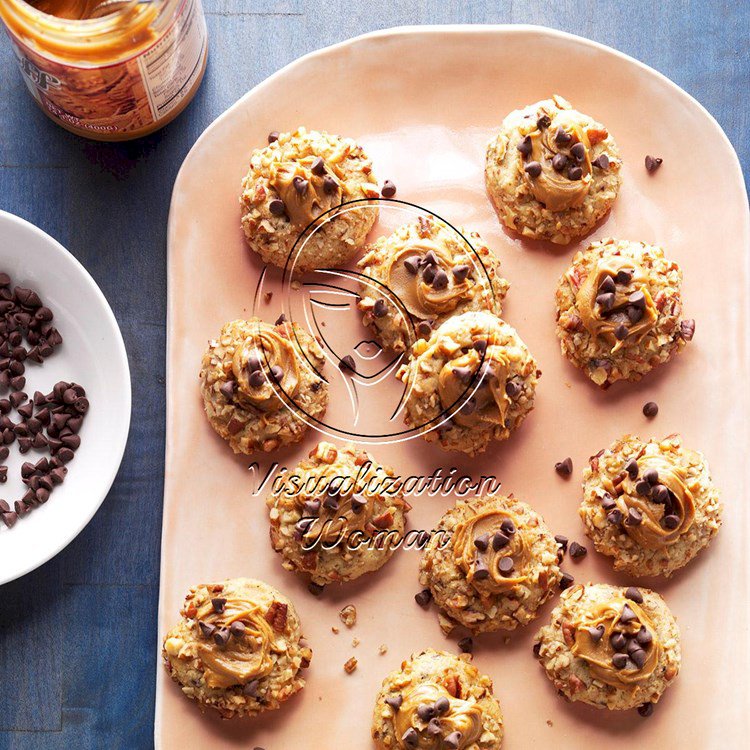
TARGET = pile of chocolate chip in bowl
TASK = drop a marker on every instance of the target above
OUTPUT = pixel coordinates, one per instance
(47, 423)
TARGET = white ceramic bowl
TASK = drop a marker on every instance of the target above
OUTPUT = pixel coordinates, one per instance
(92, 354)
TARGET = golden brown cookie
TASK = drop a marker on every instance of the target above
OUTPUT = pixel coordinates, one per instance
(261, 384)
(238, 648)
(552, 172)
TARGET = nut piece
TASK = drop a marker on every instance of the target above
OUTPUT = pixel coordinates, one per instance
(350, 665)
(276, 616)
(348, 615)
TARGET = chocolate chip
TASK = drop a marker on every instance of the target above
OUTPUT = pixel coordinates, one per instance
(428, 274)
(578, 152)
(380, 308)
(601, 162)
(562, 541)
(575, 173)
(218, 604)
(512, 389)
(394, 701)
(237, 629)
(687, 329)
(481, 571)
(453, 741)
(577, 551)
(566, 581)
(660, 494)
(606, 301)
(429, 259)
(638, 657)
(562, 137)
(635, 517)
(543, 122)
(638, 299)
(256, 379)
(634, 595)
(615, 517)
(433, 727)
(388, 190)
(621, 332)
(480, 345)
(318, 166)
(330, 186)
(227, 389)
(533, 169)
(505, 566)
(331, 501)
(646, 709)
(316, 589)
(607, 285)
(27, 297)
(426, 711)
(632, 468)
(565, 467)
(221, 636)
(251, 689)
(441, 279)
(277, 373)
(642, 487)
(423, 598)
(627, 615)
(460, 273)
(347, 363)
(651, 476)
(559, 162)
(276, 207)
(619, 661)
(358, 503)
(508, 527)
(412, 265)
(467, 647)
(300, 185)
(644, 637)
(273, 136)
(624, 276)
(410, 738)
(650, 409)
(670, 522)
(482, 542)
(206, 628)
(653, 163)
(524, 146)
(596, 633)
(424, 328)
(499, 540)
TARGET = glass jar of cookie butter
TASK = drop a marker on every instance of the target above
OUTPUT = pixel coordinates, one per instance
(111, 70)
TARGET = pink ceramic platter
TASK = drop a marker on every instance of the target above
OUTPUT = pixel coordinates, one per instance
(425, 123)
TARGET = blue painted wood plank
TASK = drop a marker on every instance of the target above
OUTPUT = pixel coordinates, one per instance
(94, 606)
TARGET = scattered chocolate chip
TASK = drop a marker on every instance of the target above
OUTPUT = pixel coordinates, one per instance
(566, 581)
(251, 689)
(318, 166)
(634, 595)
(627, 615)
(481, 571)
(512, 389)
(394, 701)
(433, 727)
(276, 207)
(646, 709)
(508, 527)
(452, 741)
(565, 467)
(440, 281)
(632, 468)
(423, 598)
(619, 661)
(615, 517)
(533, 169)
(347, 363)
(300, 185)
(596, 633)
(460, 273)
(577, 551)
(562, 138)
(653, 163)
(467, 647)
(505, 566)
(388, 190)
(425, 711)
(276, 373)
(524, 146)
(650, 409)
(543, 122)
(237, 629)
(380, 308)
(687, 329)
(330, 186)
(644, 637)
(651, 476)
(206, 628)
(575, 173)
(410, 738)
(601, 162)
(273, 136)
(412, 265)
(562, 541)
(424, 328)
(559, 162)
(482, 542)
(227, 389)
(221, 636)
(578, 152)
(606, 301)
(671, 522)
(634, 518)
(218, 604)
(660, 494)
(316, 589)
(638, 657)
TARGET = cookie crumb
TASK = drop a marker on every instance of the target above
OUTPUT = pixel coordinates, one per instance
(355, 642)
(382, 649)
(267, 297)
(350, 665)
(549, 723)
(334, 630)
(348, 615)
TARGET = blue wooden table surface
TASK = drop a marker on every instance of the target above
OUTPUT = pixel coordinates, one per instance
(78, 640)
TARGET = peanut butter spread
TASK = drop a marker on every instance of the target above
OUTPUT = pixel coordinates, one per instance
(617, 640)
(656, 504)
(481, 378)
(426, 278)
(491, 550)
(615, 304)
(565, 176)
(266, 369)
(429, 716)
(237, 642)
(307, 187)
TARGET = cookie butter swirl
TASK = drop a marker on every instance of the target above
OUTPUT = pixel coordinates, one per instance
(656, 503)
(617, 640)
(556, 159)
(426, 278)
(477, 384)
(265, 365)
(491, 550)
(430, 718)
(615, 304)
(307, 187)
(237, 642)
